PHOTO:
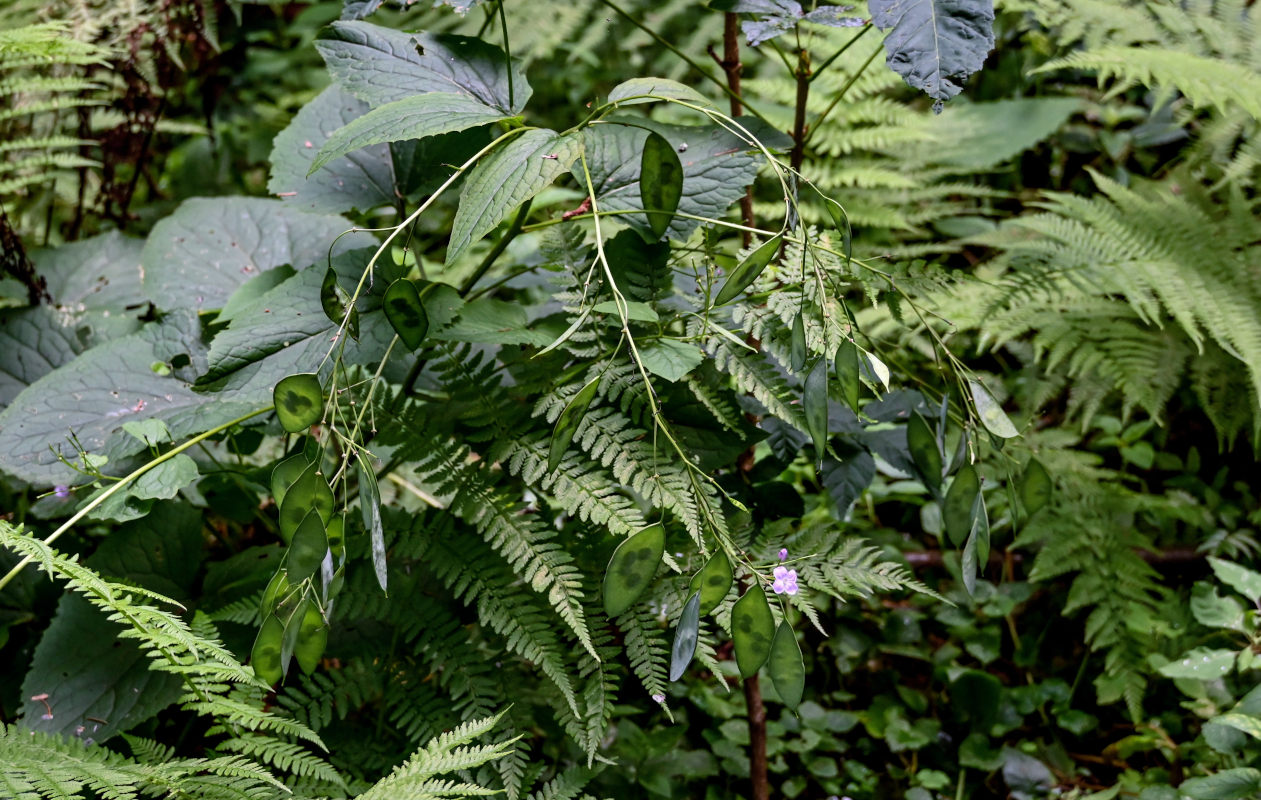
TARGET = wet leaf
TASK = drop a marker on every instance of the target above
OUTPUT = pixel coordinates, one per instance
(748, 270)
(713, 581)
(406, 313)
(787, 668)
(631, 569)
(660, 183)
(752, 629)
(685, 637)
(957, 509)
(567, 423)
(299, 401)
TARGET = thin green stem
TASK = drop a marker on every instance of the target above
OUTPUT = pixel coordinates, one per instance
(503, 24)
(120, 485)
(818, 122)
(828, 61)
(500, 246)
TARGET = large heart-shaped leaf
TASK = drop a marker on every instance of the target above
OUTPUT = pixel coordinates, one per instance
(381, 65)
(935, 44)
(199, 255)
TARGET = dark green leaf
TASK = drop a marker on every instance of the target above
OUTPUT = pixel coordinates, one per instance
(922, 444)
(660, 183)
(381, 65)
(406, 312)
(370, 507)
(488, 320)
(631, 569)
(307, 548)
(265, 655)
(250, 293)
(935, 44)
(847, 479)
(685, 637)
(786, 666)
(567, 423)
(640, 312)
(507, 177)
(299, 401)
(1237, 783)
(166, 479)
(814, 401)
(957, 508)
(748, 270)
(670, 358)
(713, 581)
(1036, 488)
(414, 117)
(647, 90)
(752, 629)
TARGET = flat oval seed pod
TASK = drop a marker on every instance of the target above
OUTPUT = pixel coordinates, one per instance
(1035, 487)
(748, 270)
(713, 582)
(848, 373)
(925, 454)
(285, 473)
(797, 346)
(312, 639)
(685, 637)
(992, 415)
(309, 492)
(335, 301)
(841, 220)
(660, 183)
(276, 589)
(336, 533)
(786, 667)
(406, 313)
(957, 508)
(299, 401)
(752, 628)
(814, 400)
(265, 656)
(567, 423)
(370, 507)
(306, 551)
(981, 530)
(631, 569)
(293, 626)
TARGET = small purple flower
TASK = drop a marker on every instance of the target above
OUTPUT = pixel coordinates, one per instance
(62, 492)
(658, 698)
(783, 554)
(785, 581)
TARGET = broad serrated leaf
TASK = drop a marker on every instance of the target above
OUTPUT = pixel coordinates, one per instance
(363, 180)
(713, 581)
(670, 358)
(415, 117)
(991, 413)
(786, 666)
(406, 313)
(685, 635)
(299, 401)
(935, 44)
(507, 177)
(1237, 783)
(648, 90)
(747, 271)
(957, 508)
(247, 296)
(631, 569)
(660, 184)
(197, 257)
(567, 423)
(370, 508)
(752, 629)
(381, 65)
(166, 479)
(1035, 487)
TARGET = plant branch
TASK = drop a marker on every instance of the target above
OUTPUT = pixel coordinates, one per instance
(500, 246)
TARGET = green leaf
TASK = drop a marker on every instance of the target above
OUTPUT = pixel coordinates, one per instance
(786, 666)
(748, 270)
(713, 581)
(981, 136)
(1242, 722)
(310, 492)
(362, 181)
(491, 321)
(406, 312)
(1036, 487)
(797, 344)
(312, 639)
(246, 297)
(197, 257)
(935, 44)
(660, 183)
(717, 166)
(1201, 663)
(166, 479)
(631, 569)
(1241, 579)
(1238, 783)
(685, 635)
(926, 455)
(958, 507)
(150, 431)
(99, 273)
(336, 303)
(307, 548)
(648, 90)
(752, 629)
(265, 655)
(814, 401)
(414, 117)
(381, 65)
(670, 358)
(299, 401)
(513, 173)
(640, 312)
(991, 413)
(1211, 609)
(847, 373)
(568, 421)
(370, 508)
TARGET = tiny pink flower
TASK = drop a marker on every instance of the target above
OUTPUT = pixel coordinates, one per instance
(783, 554)
(62, 492)
(658, 698)
(785, 581)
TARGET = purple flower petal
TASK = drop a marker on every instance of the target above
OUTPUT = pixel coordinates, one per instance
(783, 554)
(780, 572)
